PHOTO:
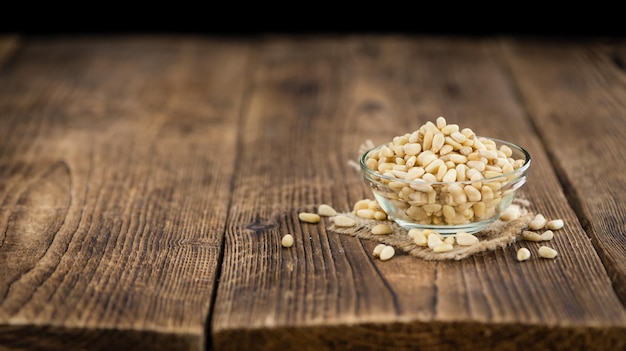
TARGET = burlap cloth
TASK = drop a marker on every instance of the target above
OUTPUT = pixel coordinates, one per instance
(499, 234)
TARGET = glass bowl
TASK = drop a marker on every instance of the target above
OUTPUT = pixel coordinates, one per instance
(448, 207)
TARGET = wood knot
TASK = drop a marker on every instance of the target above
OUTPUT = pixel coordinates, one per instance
(260, 225)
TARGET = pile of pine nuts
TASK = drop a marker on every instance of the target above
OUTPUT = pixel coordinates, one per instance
(442, 152)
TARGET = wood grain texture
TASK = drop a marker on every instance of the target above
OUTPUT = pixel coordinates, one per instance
(576, 93)
(116, 157)
(311, 104)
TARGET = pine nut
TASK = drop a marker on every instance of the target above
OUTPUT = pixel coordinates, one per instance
(466, 239)
(287, 240)
(374, 205)
(433, 167)
(555, 224)
(427, 232)
(378, 249)
(386, 253)
(326, 210)
(380, 215)
(446, 149)
(547, 235)
(434, 240)
(538, 222)
(449, 129)
(506, 150)
(547, 252)
(449, 140)
(361, 204)
(479, 209)
(472, 193)
(444, 247)
(412, 149)
(523, 254)
(344, 221)
(531, 236)
(309, 217)
(438, 141)
(511, 213)
(458, 158)
(458, 137)
(441, 122)
(413, 232)
(468, 133)
(366, 213)
(381, 229)
(420, 239)
(428, 140)
(448, 211)
(450, 175)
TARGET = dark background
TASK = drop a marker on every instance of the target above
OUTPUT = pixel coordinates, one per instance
(236, 18)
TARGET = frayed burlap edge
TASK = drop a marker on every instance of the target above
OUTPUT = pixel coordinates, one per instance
(498, 235)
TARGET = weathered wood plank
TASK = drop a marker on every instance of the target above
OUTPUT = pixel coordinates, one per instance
(116, 157)
(575, 93)
(312, 103)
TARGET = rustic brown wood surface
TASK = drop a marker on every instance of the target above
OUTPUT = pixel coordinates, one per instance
(145, 184)
(575, 95)
(115, 171)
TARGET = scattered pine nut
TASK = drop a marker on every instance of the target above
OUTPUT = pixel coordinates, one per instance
(511, 213)
(287, 240)
(466, 239)
(523, 254)
(444, 247)
(449, 240)
(538, 222)
(547, 235)
(344, 221)
(309, 217)
(531, 236)
(373, 205)
(555, 224)
(360, 205)
(413, 232)
(380, 215)
(381, 229)
(366, 213)
(387, 252)
(326, 210)
(378, 249)
(369, 209)
(420, 239)
(427, 232)
(547, 252)
(434, 240)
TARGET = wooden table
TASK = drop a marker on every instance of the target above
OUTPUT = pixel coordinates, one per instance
(145, 183)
